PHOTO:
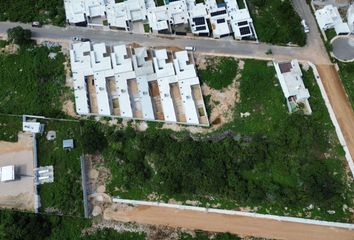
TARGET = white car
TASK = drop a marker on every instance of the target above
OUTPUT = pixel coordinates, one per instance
(305, 26)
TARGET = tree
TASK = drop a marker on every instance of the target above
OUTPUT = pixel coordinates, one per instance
(93, 139)
(18, 35)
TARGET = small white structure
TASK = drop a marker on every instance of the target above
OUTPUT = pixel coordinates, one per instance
(295, 92)
(30, 124)
(44, 175)
(68, 144)
(7, 173)
(350, 18)
(329, 17)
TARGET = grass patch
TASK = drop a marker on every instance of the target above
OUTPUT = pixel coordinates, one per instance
(330, 34)
(220, 72)
(146, 28)
(9, 128)
(3, 43)
(277, 22)
(65, 194)
(45, 11)
(31, 82)
(346, 72)
(160, 2)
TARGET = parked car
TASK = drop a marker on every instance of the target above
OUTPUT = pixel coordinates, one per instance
(76, 38)
(85, 40)
(190, 48)
(305, 26)
(36, 24)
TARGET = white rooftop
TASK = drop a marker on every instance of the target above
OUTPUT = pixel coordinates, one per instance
(328, 17)
(7, 173)
(32, 127)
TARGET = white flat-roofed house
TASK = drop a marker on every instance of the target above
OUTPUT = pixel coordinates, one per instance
(158, 19)
(7, 173)
(123, 70)
(295, 92)
(198, 19)
(80, 92)
(177, 12)
(102, 68)
(166, 98)
(240, 20)
(95, 8)
(162, 67)
(75, 11)
(187, 77)
(328, 17)
(117, 15)
(218, 18)
(120, 15)
(145, 98)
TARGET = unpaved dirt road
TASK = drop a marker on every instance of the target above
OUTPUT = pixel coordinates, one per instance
(340, 103)
(244, 226)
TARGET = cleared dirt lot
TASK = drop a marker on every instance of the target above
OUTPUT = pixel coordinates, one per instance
(339, 102)
(18, 194)
(244, 226)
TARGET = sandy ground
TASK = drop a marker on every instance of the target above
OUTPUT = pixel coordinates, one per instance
(339, 102)
(19, 193)
(221, 101)
(244, 226)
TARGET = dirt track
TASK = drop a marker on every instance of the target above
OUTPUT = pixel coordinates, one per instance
(244, 226)
(340, 103)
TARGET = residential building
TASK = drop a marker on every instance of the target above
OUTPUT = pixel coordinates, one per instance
(136, 83)
(295, 92)
(328, 17)
(350, 18)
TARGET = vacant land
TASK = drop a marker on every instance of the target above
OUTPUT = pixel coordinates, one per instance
(9, 128)
(276, 22)
(218, 72)
(31, 82)
(18, 194)
(45, 11)
(274, 162)
(64, 196)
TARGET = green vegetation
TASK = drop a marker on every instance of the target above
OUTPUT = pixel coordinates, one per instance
(31, 82)
(28, 226)
(45, 11)
(65, 194)
(9, 128)
(18, 35)
(160, 2)
(3, 43)
(277, 22)
(219, 73)
(330, 34)
(346, 71)
(146, 28)
(241, 4)
(280, 160)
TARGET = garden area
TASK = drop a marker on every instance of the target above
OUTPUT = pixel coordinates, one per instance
(276, 22)
(45, 11)
(64, 195)
(277, 163)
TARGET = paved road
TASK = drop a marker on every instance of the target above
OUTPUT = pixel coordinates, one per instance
(203, 45)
